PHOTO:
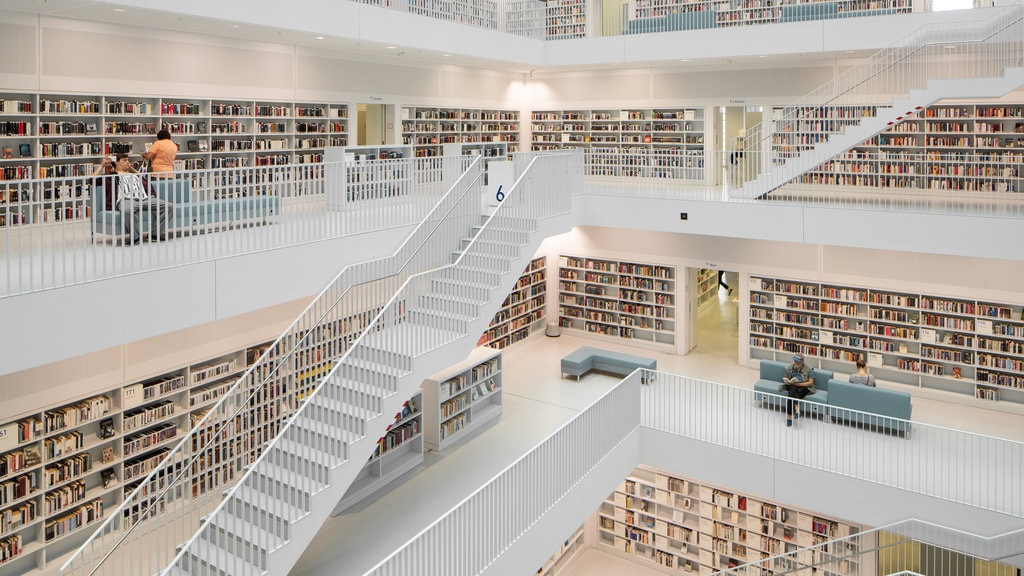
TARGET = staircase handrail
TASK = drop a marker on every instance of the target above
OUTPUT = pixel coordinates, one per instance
(910, 530)
(362, 273)
(758, 137)
(390, 314)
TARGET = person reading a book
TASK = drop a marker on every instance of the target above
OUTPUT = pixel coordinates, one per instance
(862, 376)
(797, 384)
(130, 193)
(161, 155)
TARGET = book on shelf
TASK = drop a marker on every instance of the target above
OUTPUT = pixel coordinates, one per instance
(107, 454)
(32, 455)
(108, 476)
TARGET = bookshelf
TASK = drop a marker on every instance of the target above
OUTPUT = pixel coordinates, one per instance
(638, 143)
(44, 135)
(567, 552)
(707, 286)
(522, 312)
(398, 451)
(750, 12)
(565, 19)
(66, 466)
(677, 525)
(612, 299)
(461, 400)
(357, 173)
(961, 147)
(962, 345)
(428, 128)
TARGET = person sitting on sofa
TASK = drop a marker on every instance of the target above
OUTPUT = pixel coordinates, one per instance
(862, 376)
(130, 193)
(798, 384)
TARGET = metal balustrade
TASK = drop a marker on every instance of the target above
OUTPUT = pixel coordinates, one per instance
(986, 52)
(320, 389)
(930, 460)
(46, 225)
(185, 485)
(563, 19)
(906, 547)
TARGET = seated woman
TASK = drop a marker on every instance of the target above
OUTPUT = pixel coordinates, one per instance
(862, 376)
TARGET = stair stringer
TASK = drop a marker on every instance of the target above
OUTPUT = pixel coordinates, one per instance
(869, 126)
(303, 531)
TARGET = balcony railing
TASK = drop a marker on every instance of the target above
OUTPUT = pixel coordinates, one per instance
(929, 461)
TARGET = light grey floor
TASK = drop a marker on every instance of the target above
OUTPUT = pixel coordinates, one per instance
(536, 402)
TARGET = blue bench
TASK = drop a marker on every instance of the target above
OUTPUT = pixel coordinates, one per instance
(869, 407)
(585, 359)
(770, 379)
(186, 214)
(856, 404)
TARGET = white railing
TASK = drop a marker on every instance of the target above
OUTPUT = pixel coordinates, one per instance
(587, 18)
(981, 48)
(930, 460)
(412, 323)
(184, 483)
(895, 549)
(53, 233)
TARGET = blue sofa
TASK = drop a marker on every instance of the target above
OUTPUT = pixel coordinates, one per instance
(856, 404)
(672, 22)
(770, 379)
(869, 407)
(587, 358)
(187, 214)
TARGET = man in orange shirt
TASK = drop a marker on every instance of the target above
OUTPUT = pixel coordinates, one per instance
(161, 154)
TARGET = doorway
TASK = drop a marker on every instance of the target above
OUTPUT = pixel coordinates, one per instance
(736, 120)
(375, 124)
(715, 325)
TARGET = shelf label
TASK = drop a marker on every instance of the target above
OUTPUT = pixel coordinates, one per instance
(780, 301)
(874, 359)
(928, 335)
(984, 326)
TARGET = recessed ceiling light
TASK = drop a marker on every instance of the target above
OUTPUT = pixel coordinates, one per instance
(763, 56)
(319, 37)
(391, 47)
(685, 60)
(445, 55)
(849, 51)
(119, 10)
(234, 26)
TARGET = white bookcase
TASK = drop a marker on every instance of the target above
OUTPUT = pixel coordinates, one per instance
(398, 451)
(635, 143)
(678, 525)
(461, 400)
(612, 299)
(962, 345)
(568, 551)
(522, 312)
(955, 147)
(707, 286)
(429, 128)
(63, 468)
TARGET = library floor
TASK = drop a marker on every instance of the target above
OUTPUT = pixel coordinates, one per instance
(536, 401)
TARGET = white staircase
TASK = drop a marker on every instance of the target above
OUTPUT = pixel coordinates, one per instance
(264, 524)
(983, 59)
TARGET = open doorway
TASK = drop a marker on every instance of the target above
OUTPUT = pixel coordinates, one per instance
(375, 124)
(736, 121)
(714, 328)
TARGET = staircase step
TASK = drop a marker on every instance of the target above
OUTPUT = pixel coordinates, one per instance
(349, 417)
(207, 559)
(327, 436)
(370, 350)
(463, 288)
(274, 480)
(500, 264)
(356, 393)
(489, 247)
(475, 274)
(306, 457)
(245, 538)
(440, 321)
(250, 500)
(449, 304)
